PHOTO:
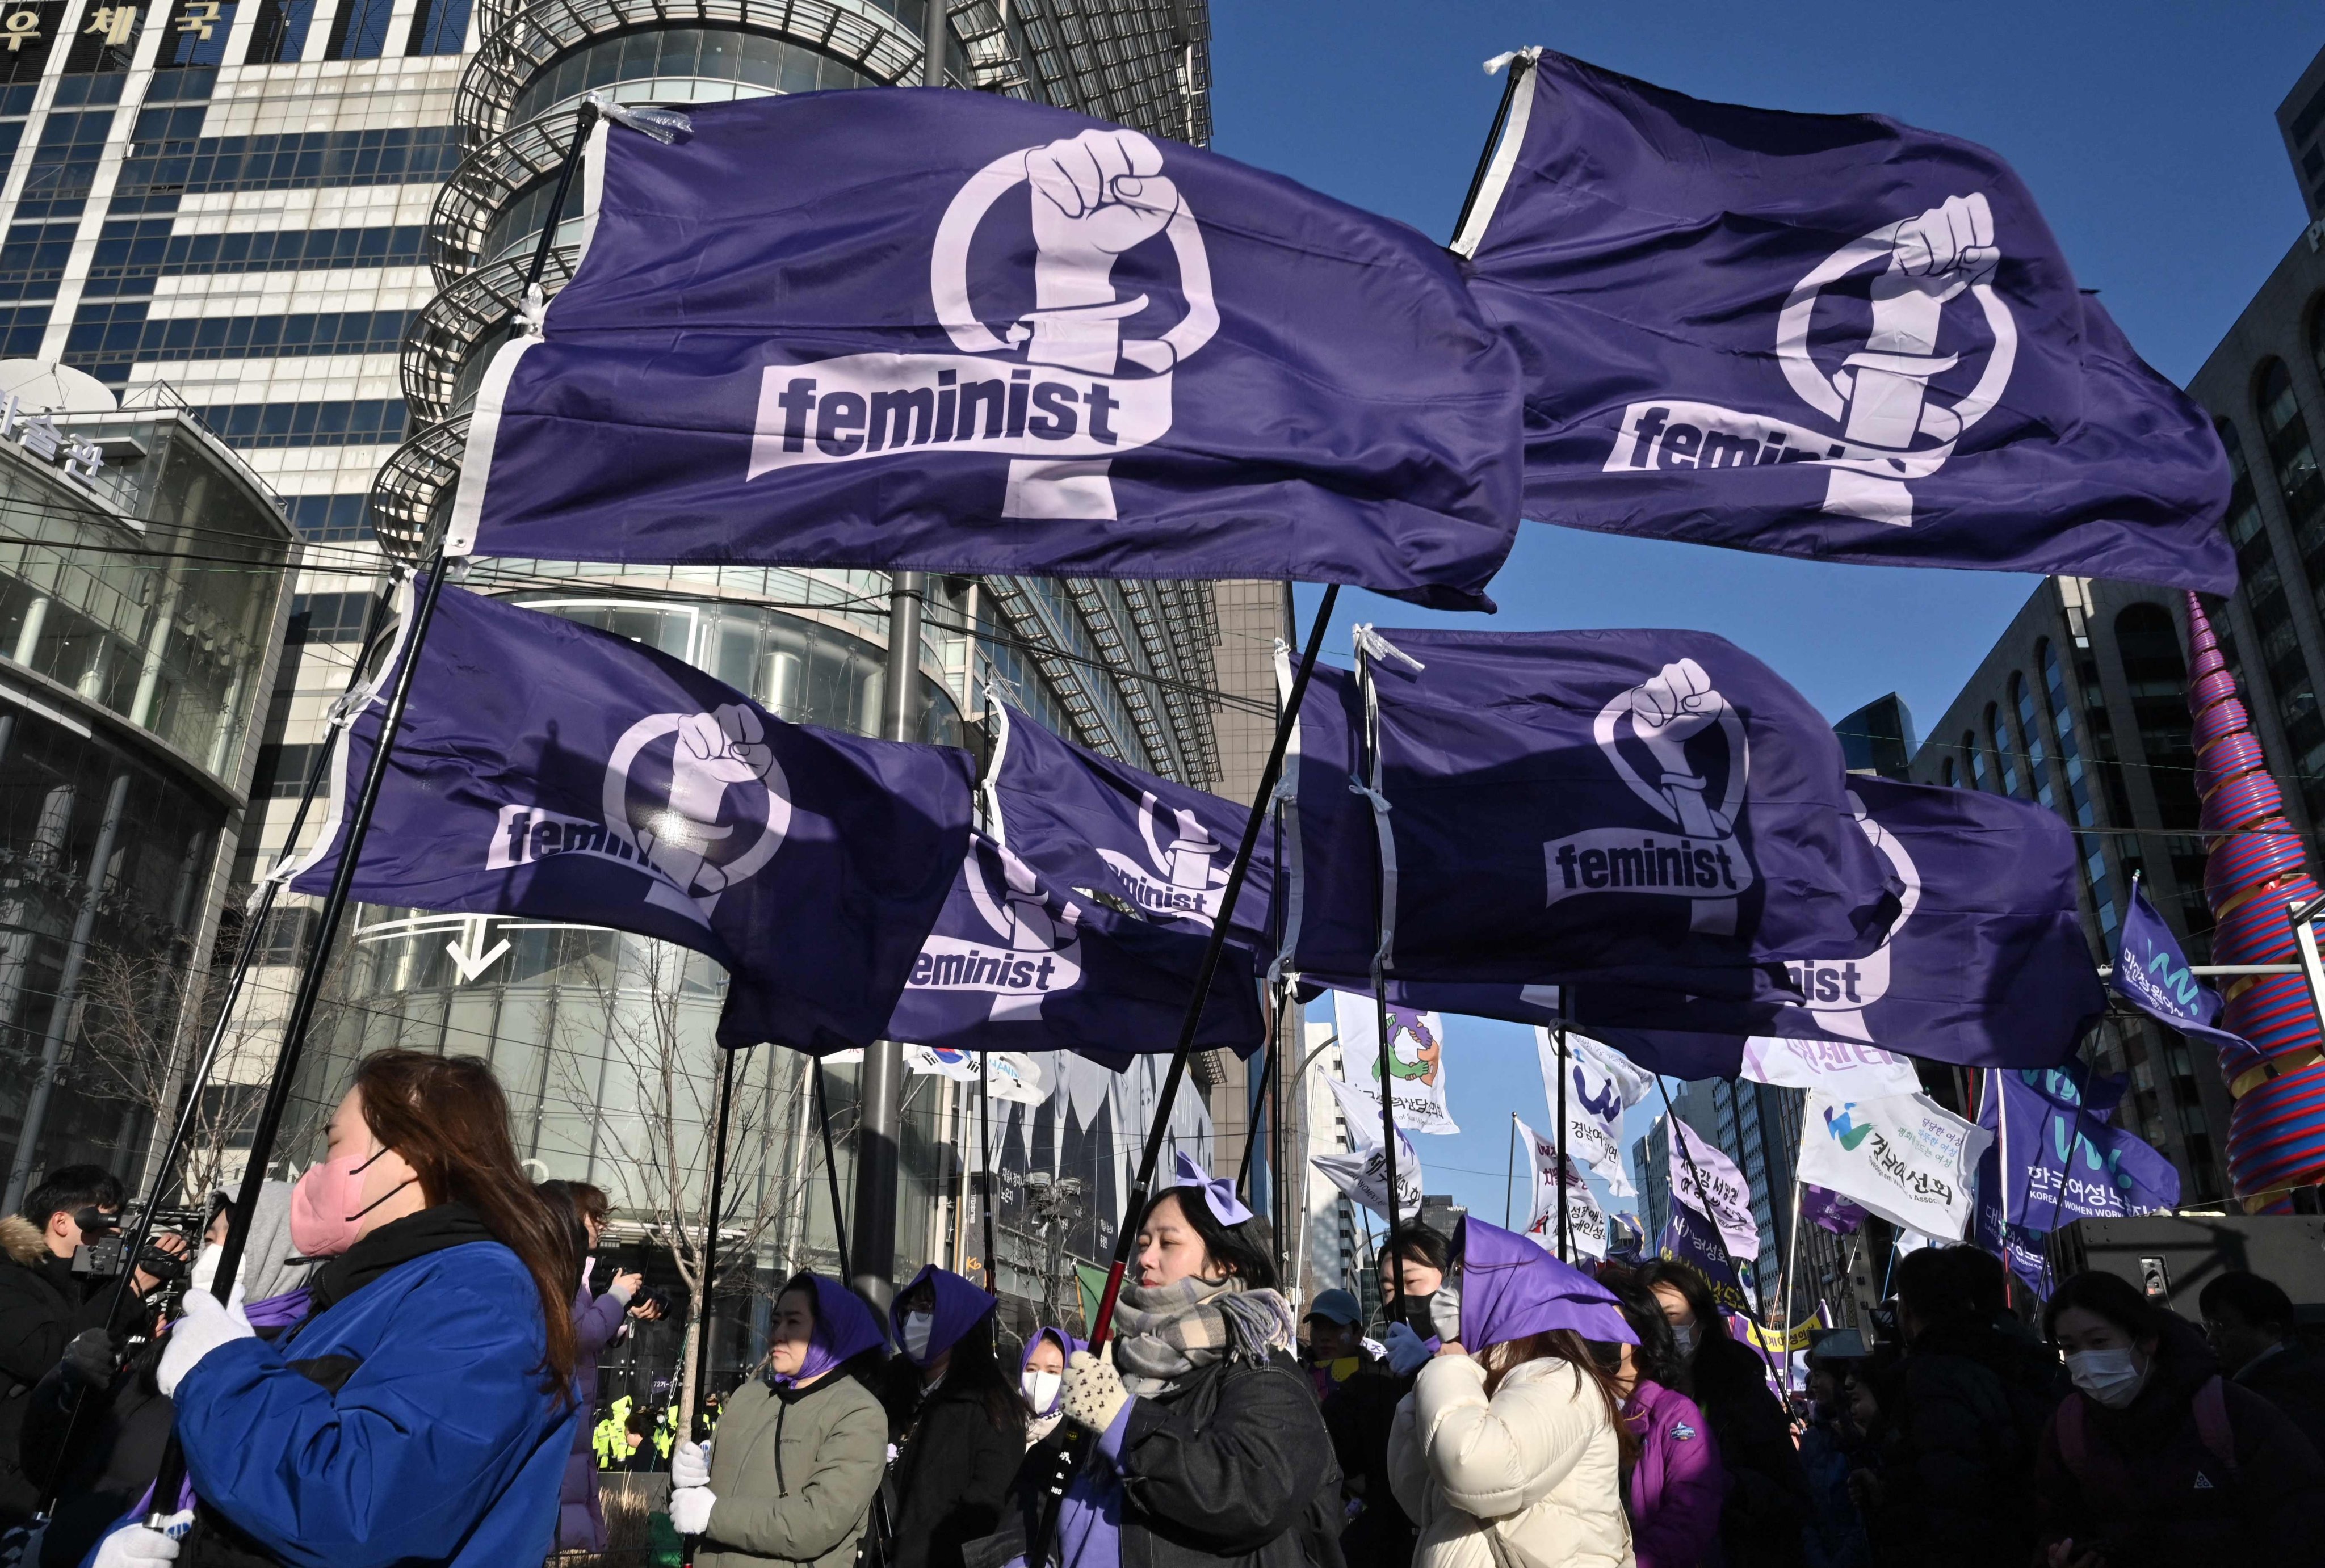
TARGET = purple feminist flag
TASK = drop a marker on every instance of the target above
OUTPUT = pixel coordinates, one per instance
(2055, 1160)
(1648, 809)
(959, 332)
(2153, 975)
(1822, 334)
(550, 770)
(1015, 963)
(1986, 964)
(1161, 849)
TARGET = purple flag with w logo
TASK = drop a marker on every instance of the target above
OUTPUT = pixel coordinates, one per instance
(955, 331)
(2063, 1163)
(2152, 973)
(1822, 334)
(553, 771)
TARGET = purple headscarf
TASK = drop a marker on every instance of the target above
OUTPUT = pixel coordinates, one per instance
(1511, 1287)
(1067, 1345)
(844, 1329)
(958, 1306)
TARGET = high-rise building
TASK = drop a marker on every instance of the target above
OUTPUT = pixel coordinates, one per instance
(2080, 707)
(2301, 119)
(308, 221)
(1878, 738)
(143, 582)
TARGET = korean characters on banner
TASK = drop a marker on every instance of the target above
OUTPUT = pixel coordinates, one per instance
(1856, 1072)
(1361, 1173)
(1599, 1084)
(1723, 1196)
(1904, 1158)
(1415, 1059)
(1586, 1222)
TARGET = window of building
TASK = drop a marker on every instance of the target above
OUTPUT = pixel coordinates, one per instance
(2006, 760)
(439, 27)
(2030, 736)
(330, 519)
(2293, 462)
(1946, 772)
(2281, 658)
(359, 30)
(686, 54)
(2060, 706)
(280, 38)
(327, 618)
(281, 772)
(199, 29)
(2157, 674)
(1978, 771)
(264, 427)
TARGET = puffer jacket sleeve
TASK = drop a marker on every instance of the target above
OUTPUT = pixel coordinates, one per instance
(1408, 1467)
(1498, 1457)
(827, 1509)
(1240, 1479)
(597, 1319)
(1681, 1531)
(446, 1407)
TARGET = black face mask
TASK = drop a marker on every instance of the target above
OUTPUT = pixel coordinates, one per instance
(1437, 1314)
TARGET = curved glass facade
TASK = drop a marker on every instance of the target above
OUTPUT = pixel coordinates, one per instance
(682, 65)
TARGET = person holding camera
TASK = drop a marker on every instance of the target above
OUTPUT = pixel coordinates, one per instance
(45, 1302)
(599, 1320)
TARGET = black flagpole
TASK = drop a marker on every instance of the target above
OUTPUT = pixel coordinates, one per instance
(831, 1174)
(710, 1240)
(985, 1199)
(1126, 1242)
(1382, 1062)
(1564, 1256)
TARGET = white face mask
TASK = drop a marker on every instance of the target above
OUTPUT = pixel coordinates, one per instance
(205, 1270)
(1041, 1390)
(2112, 1378)
(1684, 1336)
(918, 1326)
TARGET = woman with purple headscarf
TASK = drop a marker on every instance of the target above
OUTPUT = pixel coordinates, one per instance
(1041, 1381)
(801, 1448)
(1511, 1446)
(959, 1429)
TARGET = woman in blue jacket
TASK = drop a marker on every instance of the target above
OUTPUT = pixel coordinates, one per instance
(423, 1413)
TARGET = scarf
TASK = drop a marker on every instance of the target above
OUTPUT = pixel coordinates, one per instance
(1164, 1333)
(393, 1245)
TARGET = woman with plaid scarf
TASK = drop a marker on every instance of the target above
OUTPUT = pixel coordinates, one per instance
(1209, 1449)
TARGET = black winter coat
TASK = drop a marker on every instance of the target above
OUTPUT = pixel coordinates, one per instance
(1358, 1415)
(42, 1305)
(2151, 1494)
(2293, 1380)
(1232, 1469)
(1768, 1509)
(1960, 1422)
(951, 1475)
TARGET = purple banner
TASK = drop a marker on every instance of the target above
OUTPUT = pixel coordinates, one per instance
(2056, 1160)
(1827, 336)
(966, 333)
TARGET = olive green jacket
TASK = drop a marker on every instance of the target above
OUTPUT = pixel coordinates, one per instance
(794, 1476)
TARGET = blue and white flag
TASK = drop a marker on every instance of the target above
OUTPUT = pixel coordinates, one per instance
(1822, 334)
(2153, 975)
(2056, 1160)
(550, 770)
(1692, 1241)
(1650, 808)
(1015, 963)
(958, 332)
(1113, 831)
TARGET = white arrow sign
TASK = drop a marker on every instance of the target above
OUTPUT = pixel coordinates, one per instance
(465, 958)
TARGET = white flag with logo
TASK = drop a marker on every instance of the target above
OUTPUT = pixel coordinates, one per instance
(1903, 1156)
(1599, 1082)
(1363, 1175)
(1852, 1071)
(1416, 1059)
(1586, 1223)
(1723, 1197)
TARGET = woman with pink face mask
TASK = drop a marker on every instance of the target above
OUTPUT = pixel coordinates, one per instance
(423, 1413)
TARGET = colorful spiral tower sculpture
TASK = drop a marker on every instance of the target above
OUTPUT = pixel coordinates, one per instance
(2252, 871)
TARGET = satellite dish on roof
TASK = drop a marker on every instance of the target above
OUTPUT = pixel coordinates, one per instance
(39, 384)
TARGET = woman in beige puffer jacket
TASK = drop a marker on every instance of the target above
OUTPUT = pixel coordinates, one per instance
(1513, 1457)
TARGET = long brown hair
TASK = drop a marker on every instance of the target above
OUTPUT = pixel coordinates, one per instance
(1563, 1344)
(448, 1120)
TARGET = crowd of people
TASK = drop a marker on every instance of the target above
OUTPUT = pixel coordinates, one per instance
(405, 1373)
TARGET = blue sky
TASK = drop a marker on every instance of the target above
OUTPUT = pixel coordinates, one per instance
(2146, 131)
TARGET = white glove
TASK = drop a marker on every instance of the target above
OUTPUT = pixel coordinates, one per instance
(136, 1547)
(689, 1510)
(689, 1464)
(205, 1326)
(1408, 1353)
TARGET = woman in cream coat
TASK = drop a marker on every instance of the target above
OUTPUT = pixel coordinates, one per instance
(1509, 1452)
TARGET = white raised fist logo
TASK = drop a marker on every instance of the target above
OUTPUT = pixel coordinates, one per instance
(1668, 711)
(1095, 196)
(711, 754)
(1932, 258)
(716, 749)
